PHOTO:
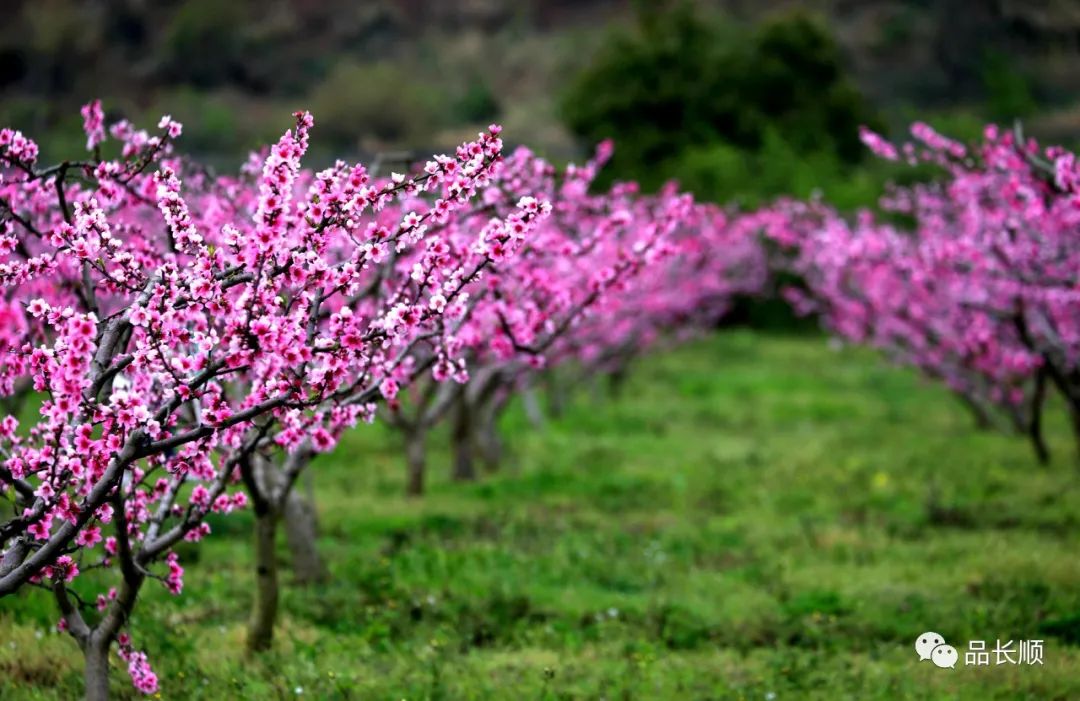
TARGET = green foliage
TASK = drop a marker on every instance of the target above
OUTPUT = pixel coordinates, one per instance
(379, 102)
(681, 87)
(963, 124)
(211, 124)
(477, 104)
(726, 173)
(61, 134)
(59, 30)
(217, 129)
(203, 42)
(758, 517)
(1008, 91)
(655, 91)
(797, 84)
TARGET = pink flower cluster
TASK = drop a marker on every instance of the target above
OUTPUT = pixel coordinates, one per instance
(184, 329)
(606, 271)
(980, 292)
(142, 676)
(176, 325)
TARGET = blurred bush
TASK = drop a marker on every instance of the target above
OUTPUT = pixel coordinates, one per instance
(729, 112)
(797, 84)
(375, 104)
(211, 124)
(202, 44)
(1009, 93)
(750, 178)
(477, 104)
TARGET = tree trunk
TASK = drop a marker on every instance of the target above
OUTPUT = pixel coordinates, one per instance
(596, 389)
(1069, 386)
(617, 381)
(533, 412)
(462, 438)
(96, 670)
(488, 441)
(1035, 431)
(264, 612)
(417, 461)
(1074, 415)
(556, 395)
(301, 529)
(978, 412)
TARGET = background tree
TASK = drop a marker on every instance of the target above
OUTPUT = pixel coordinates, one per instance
(680, 83)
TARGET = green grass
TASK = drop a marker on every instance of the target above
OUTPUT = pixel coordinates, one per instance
(756, 517)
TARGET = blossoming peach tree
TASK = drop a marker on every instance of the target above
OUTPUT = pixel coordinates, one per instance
(175, 345)
(401, 319)
(980, 292)
(591, 248)
(606, 278)
(598, 281)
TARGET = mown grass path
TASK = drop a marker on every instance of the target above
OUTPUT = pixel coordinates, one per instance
(755, 517)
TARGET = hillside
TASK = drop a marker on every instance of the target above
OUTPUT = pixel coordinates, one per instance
(413, 72)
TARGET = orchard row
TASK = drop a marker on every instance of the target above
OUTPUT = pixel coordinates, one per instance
(188, 342)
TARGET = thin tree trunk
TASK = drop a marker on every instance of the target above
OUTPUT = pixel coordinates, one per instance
(264, 612)
(1035, 431)
(96, 641)
(533, 411)
(1068, 389)
(301, 529)
(617, 381)
(1074, 416)
(556, 392)
(462, 438)
(488, 441)
(309, 495)
(1018, 421)
(978, 411)
(1067, 385)
(96, 671)
(417, 461)
(596, 389)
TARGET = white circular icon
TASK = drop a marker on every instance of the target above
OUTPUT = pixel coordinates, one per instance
(926, 643)
(945, 656)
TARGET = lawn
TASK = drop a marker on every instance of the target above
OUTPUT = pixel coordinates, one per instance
(754, 517)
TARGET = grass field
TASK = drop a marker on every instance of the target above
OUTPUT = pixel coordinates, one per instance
(756, 517)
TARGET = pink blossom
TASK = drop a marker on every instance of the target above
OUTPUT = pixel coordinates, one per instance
(88, 537)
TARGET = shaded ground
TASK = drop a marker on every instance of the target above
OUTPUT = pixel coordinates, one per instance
(757, 517)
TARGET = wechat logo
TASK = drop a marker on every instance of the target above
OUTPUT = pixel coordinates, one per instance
(932, 646)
